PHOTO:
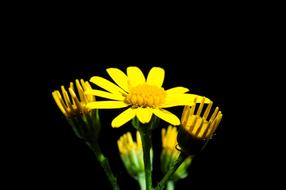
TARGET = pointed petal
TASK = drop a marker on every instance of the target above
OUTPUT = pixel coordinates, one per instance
(59, 101)
(163, 137)
(75, 99)
(119, 78)
(177, 90)
(138, 139)
(167, 116)
(135, 76)
(106, 104)
(79, 90)
(104, 94)
(107, 85)
(66, 97)
(123, 118)
(182, 99)
(156, 76)
(86, 86)
(143, 114)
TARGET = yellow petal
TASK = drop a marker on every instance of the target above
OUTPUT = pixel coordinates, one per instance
(104, 94)
(79, 90)
(171, 137)
(177, 90)
(135, 76)
(185, 114)
(167, 116)
(163, 137)
(66, 97)
(138, 139)
(182, 99)
(59, 101)
(123, 118)
(106, 104)
(156, 76)
(119, 78)
(143, 114)
(86, 87)
(107, 85)
(75, 99)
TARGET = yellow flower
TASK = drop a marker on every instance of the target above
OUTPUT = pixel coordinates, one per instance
(200, 125)
(74, 106)
(84, 121)
(144, 97)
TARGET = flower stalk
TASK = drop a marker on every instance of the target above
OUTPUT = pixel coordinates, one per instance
(172, 170)
(104, 164)
(146, 138)
(145, 131)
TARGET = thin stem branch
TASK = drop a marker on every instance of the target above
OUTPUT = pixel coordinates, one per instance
(104, 164)
(171, 171)
(146, 138)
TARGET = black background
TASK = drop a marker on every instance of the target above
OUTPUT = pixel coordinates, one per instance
(215, 58)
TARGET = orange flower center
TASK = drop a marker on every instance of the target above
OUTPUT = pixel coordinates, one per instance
(145, 95)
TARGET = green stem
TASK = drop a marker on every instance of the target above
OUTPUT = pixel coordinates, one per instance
(141, 181)
(170, 185)
(104, 164)
(146, 138)
(171, 171)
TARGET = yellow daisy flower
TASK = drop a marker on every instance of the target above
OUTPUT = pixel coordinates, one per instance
(143, 97)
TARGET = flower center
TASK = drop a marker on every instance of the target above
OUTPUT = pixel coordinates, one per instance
(145, 95)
